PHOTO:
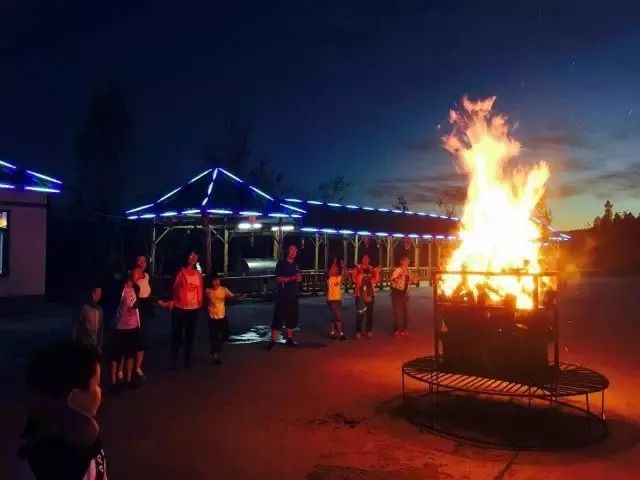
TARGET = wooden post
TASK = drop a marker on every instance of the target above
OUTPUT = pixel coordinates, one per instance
(152, 260)
(225, 260)
(316, 260)
(326, 252)
(429, 261)
(344, 249)
(416, 253)
(207, 242)
(355, 253)
(276, 243)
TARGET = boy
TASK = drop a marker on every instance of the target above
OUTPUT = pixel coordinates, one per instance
(401, 280)
(334, 299)
(288, 278)
(216, 297)
(88, 328)
(61, 438)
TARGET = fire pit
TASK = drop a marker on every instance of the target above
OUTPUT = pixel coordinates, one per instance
(477, 336)
(494, 306)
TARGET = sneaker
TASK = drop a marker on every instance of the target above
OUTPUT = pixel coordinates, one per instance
(397, 335)
(358, 336)
(270, 345)
(404, 334)
(140, 375)
(290, 343)
(343, 337)
(332, 334)
(369, 335)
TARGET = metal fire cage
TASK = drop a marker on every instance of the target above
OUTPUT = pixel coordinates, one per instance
(497, 350)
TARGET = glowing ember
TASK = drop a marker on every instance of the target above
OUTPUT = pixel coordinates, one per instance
(497, 232)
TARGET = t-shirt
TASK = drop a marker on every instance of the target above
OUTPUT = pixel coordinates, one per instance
(144, 285)
(49, 455)
(216, 301)
(400, 280)
(128, 316)
(334, 288)
(187, 290)
(365, 288)
(289, 290)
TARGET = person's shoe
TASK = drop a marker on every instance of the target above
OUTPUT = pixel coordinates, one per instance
(369, 335)
(217, 362)
(358, 336)
(332, 334)
(290, 343)
(343, 337)
(397, 335)
(270, 345)
(139, 375)
(404, 334)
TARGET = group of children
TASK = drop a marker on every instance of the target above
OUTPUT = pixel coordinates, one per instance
(365, 277)
(62, 439)
(125, 345)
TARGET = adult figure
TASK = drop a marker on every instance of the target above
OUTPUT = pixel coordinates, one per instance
(288, 278)
(140, 277)
(185, 307)
(401, 280)
(365, 278)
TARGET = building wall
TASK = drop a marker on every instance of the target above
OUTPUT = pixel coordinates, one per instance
(27, 243)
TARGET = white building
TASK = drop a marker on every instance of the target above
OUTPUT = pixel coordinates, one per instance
(23, 235)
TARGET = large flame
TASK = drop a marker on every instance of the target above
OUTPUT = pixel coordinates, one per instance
(497, 233)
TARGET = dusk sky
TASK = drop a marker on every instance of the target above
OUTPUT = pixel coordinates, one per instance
(360, 89)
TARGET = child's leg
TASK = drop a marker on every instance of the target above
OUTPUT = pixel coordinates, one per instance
(338, 319)
(128, 368)
(139, 358)
(114, 368)
(212, 335)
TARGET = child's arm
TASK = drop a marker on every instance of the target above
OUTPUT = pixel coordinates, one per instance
(168, 304)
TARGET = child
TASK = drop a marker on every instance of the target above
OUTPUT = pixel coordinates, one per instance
(334, 299)
(126, 339)
(216, 297)
(61, 438)
(88, 328)
(401, 279)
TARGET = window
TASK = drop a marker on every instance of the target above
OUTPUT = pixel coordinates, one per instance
(4, 242)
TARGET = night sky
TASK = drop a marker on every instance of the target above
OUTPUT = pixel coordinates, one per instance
(328, 88)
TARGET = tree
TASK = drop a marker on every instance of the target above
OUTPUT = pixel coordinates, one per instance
(102, 143)
(448, 198)
(401, 203)
(607, 217)
(542, 212)
(334, 189)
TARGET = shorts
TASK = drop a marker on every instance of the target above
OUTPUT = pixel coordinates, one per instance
(285, 313)
(125, 343)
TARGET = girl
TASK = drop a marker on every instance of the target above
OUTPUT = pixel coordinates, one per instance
(126, 339)
(335, 277)
(218, 324)
(88, 328)
(400, 281)
(365, 278)
(186, 303)
(145, 307)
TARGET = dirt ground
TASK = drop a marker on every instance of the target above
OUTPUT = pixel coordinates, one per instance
(329, 410)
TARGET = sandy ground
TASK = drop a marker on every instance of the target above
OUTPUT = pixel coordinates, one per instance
(329, 410)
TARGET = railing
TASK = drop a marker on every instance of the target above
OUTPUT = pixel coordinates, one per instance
(313, 282)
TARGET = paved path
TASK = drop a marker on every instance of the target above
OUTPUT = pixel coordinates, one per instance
(328, 410)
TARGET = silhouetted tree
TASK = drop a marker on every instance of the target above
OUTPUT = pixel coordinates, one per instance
(334, 189)
(102, 143)
(542, 212)
(401, 203)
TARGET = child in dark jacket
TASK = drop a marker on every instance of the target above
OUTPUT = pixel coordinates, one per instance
(61, 439)
(88, 327)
